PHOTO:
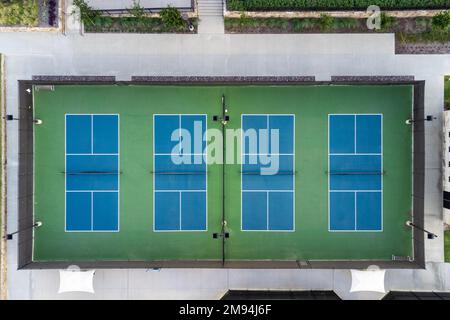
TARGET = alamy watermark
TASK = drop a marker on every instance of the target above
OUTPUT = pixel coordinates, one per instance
(374, 20)
(254, 147)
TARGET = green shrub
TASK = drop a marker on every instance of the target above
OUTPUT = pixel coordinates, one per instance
(274, 23)
(325, 22)
(387, 22)
(424, 37)
(172, 18)
(19, 13)
(441, 21)
(304, 24)
(244, 20)
(423, 22)
(105, 22)
(346, 23)
(137, 11)
(261, 5)
(231, 23)
(87, 15)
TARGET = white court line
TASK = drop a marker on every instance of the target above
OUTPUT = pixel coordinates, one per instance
(267, 190)
(92, 154)
(268, 154)
(355, 154)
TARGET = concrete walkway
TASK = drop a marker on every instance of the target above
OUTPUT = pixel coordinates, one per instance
(211, 16)
(126, 55)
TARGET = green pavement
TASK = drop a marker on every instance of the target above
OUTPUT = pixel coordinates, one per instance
(136, 239)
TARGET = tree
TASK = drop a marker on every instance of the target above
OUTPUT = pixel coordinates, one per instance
(172, 18)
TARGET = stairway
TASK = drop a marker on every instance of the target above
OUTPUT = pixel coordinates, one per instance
(210, 13)
(210, 8)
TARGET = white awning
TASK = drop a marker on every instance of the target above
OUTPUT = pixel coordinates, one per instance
(369, 280)
(71, 280)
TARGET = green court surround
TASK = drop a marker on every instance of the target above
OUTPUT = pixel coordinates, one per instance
(136, 240)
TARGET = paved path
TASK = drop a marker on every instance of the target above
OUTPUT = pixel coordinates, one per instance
(211, 16)
(125, 55)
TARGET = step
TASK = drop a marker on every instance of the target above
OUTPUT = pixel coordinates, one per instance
(210, 7)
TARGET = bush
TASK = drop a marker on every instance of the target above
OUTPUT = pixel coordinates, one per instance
(261, 5)
(346, 23)
(172, 18)
(423, 23)
(19, 13)
(87, 14)
(325, 22)
(424, 37)
(137, 10)
(244, 20)
(386, 21)
(441, 21)
(304, 24)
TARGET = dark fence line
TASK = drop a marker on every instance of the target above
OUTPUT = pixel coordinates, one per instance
(26, 176)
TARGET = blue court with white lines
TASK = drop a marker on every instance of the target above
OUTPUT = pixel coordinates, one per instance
(92, 172)
(180, 173)
(355, 172)
(267, 194)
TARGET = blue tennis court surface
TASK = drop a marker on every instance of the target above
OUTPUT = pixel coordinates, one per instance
(267, 199)
(355, 172)
(179, 186)
(92, 172)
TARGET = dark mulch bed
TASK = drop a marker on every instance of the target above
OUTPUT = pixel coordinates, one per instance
(414, 35)
(422, 48)
(340, 25)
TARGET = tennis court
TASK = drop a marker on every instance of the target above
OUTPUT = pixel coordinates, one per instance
(114, 179)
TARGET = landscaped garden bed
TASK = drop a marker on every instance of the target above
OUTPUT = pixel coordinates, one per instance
(106, 24)
(287, 5)
(137, 20)
(427, 34)
(29, 13)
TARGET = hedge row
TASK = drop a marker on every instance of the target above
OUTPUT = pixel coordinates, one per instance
(266, 5)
